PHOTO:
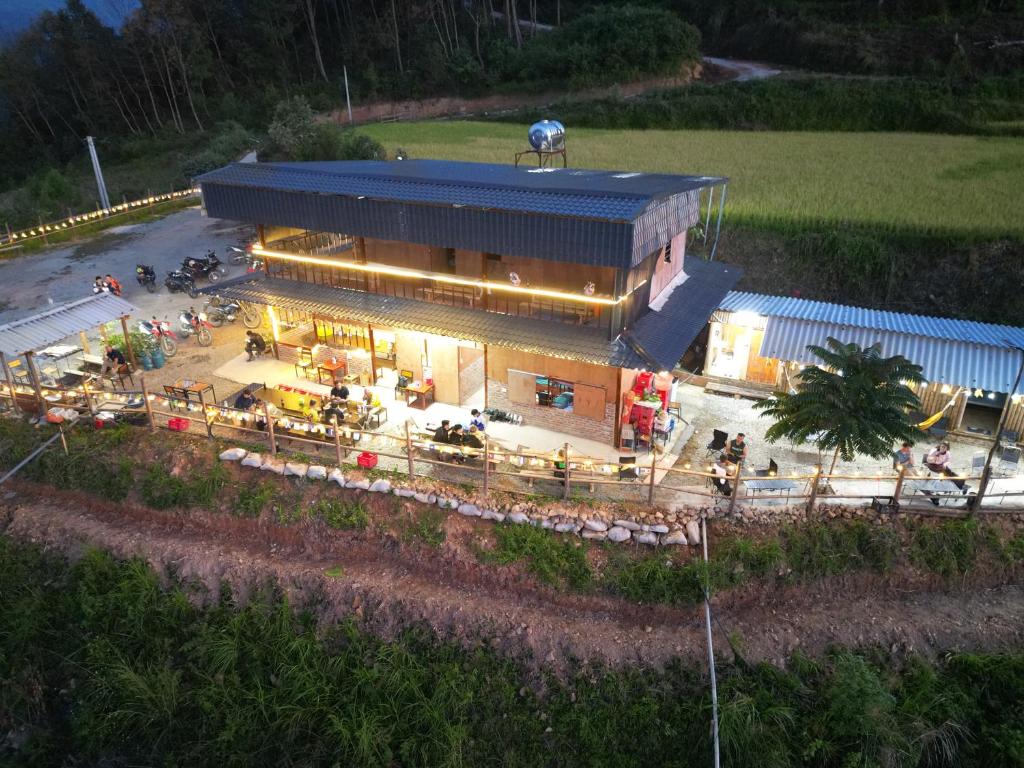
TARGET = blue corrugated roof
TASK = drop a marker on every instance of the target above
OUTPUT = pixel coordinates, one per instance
(945, 328)
(956, 352)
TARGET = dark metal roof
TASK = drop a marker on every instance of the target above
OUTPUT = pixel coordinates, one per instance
(606, 218)
(572, 342)
(662, 337)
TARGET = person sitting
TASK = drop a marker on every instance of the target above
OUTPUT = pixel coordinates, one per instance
(472, 438)
(477, 421)
(311, 412)
(737, 449)
(339, 391)
(904, 458)
(722, 469)
(938, 460)
(245, 400)
(441, 433)
(455, 435)
(98, 286)
(367, 396)
(112, 360)
(112, 285)
(255, 345)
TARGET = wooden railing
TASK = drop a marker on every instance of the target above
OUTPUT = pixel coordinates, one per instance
(574, 474)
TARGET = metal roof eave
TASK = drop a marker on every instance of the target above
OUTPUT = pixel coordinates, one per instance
(57, 323)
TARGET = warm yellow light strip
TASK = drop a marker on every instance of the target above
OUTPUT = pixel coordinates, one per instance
(380, 269)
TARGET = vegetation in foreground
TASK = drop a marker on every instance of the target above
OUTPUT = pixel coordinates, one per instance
(99, 664)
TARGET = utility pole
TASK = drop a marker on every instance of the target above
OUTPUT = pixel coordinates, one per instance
(101, 185)
(348, 100)
(986, 473)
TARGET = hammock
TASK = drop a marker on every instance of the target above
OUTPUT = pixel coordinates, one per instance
(934, 418)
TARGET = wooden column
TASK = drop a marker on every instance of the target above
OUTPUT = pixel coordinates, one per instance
(654, 465)
(565, 489)
(337, 441)
(206, 417)
(735, 485)
(408, 451)
(33, 373)
(10, 378)
(261, 236)
(485, 376)
(128, 342)
(373, 356)
(147, 403)
(270, 430)
(85, 342)
(487, 466)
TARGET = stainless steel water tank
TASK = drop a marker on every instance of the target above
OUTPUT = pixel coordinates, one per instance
(547, 136)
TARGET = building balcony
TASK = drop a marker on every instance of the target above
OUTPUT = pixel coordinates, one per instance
(331, 261)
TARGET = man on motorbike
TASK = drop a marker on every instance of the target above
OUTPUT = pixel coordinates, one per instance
(98, 286)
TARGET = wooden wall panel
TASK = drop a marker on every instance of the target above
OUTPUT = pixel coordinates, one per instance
(398, 254)
(589, 401)
(522, 387)
(409, 353)
(444, 364)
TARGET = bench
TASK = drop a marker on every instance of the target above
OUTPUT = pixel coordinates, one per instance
(718, 388)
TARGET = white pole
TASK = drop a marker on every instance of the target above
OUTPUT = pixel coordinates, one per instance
(711, 648)
(101, 185)
(348, 100)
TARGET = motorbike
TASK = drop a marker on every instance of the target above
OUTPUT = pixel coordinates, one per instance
(179, 280)
(192, 323)
(218, 311)
(239, 255)
(146, 277)
(209, 266)
(161, 331)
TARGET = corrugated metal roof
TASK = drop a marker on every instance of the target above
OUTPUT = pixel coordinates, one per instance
(897, 322)
(956, 352)
(45, 328)
(589, 345)
(605, 218)
(663, 336)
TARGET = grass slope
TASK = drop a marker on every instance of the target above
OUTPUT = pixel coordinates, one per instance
(956, 185)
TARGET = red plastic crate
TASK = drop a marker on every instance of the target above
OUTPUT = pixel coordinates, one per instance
(178, 424)
(367, 460)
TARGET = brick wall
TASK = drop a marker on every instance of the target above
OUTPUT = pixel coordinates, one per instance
(554, 418)
(470, 378)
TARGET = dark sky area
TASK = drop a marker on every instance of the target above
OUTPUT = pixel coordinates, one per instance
(15, 15)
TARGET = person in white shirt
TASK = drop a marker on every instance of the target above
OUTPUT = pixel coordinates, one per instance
(938, 460)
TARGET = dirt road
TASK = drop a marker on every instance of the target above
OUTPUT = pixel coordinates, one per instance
(388, 586)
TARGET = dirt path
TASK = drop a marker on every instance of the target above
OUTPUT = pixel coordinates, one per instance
(388, 587)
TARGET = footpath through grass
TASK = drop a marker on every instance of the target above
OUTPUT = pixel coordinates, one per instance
(963, 186)
(99, 665)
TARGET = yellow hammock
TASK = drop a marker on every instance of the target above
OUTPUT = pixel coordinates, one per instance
(933, 419)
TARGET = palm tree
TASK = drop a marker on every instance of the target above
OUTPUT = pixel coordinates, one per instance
(854, 401)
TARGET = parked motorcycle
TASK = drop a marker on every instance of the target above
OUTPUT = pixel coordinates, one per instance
(161, 331)
(218, 311)
(146, 277)
(192, 323)
(239, 255)
(209, 266)
(179, 280)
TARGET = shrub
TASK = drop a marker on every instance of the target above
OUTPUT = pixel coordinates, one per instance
(162, 490)
(252, 499)
(342, 514)
(426, 527)
(555, 560)
(949, 548)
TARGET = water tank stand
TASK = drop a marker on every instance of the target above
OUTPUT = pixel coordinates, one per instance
(544, 156)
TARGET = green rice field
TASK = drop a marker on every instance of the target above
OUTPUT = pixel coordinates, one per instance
(967, 186)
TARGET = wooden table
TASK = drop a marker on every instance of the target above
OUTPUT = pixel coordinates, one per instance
(331, 369)
(421, 393)
(185, 388)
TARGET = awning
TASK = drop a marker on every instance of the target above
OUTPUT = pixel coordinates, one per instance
(572, 342)
(55, 324)
(947, 361)
(660, 338)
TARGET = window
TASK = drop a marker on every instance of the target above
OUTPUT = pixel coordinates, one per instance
(554, 393)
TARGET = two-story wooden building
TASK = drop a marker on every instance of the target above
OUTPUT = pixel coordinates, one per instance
(541, 291)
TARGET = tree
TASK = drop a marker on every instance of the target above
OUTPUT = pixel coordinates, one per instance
(855, 401)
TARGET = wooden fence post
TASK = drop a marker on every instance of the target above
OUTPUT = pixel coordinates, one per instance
(898, 490)
(650, 488)
(206, 417)
(337, 441)
(487, 467)
(815, 482)
(565, 489)
(146, 402)
(88, 397)
(270, 429)
(128, 343)
(36, 383)
(408, 451)
(735, 486)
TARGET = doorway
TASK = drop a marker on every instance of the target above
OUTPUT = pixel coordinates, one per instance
(471, 377)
